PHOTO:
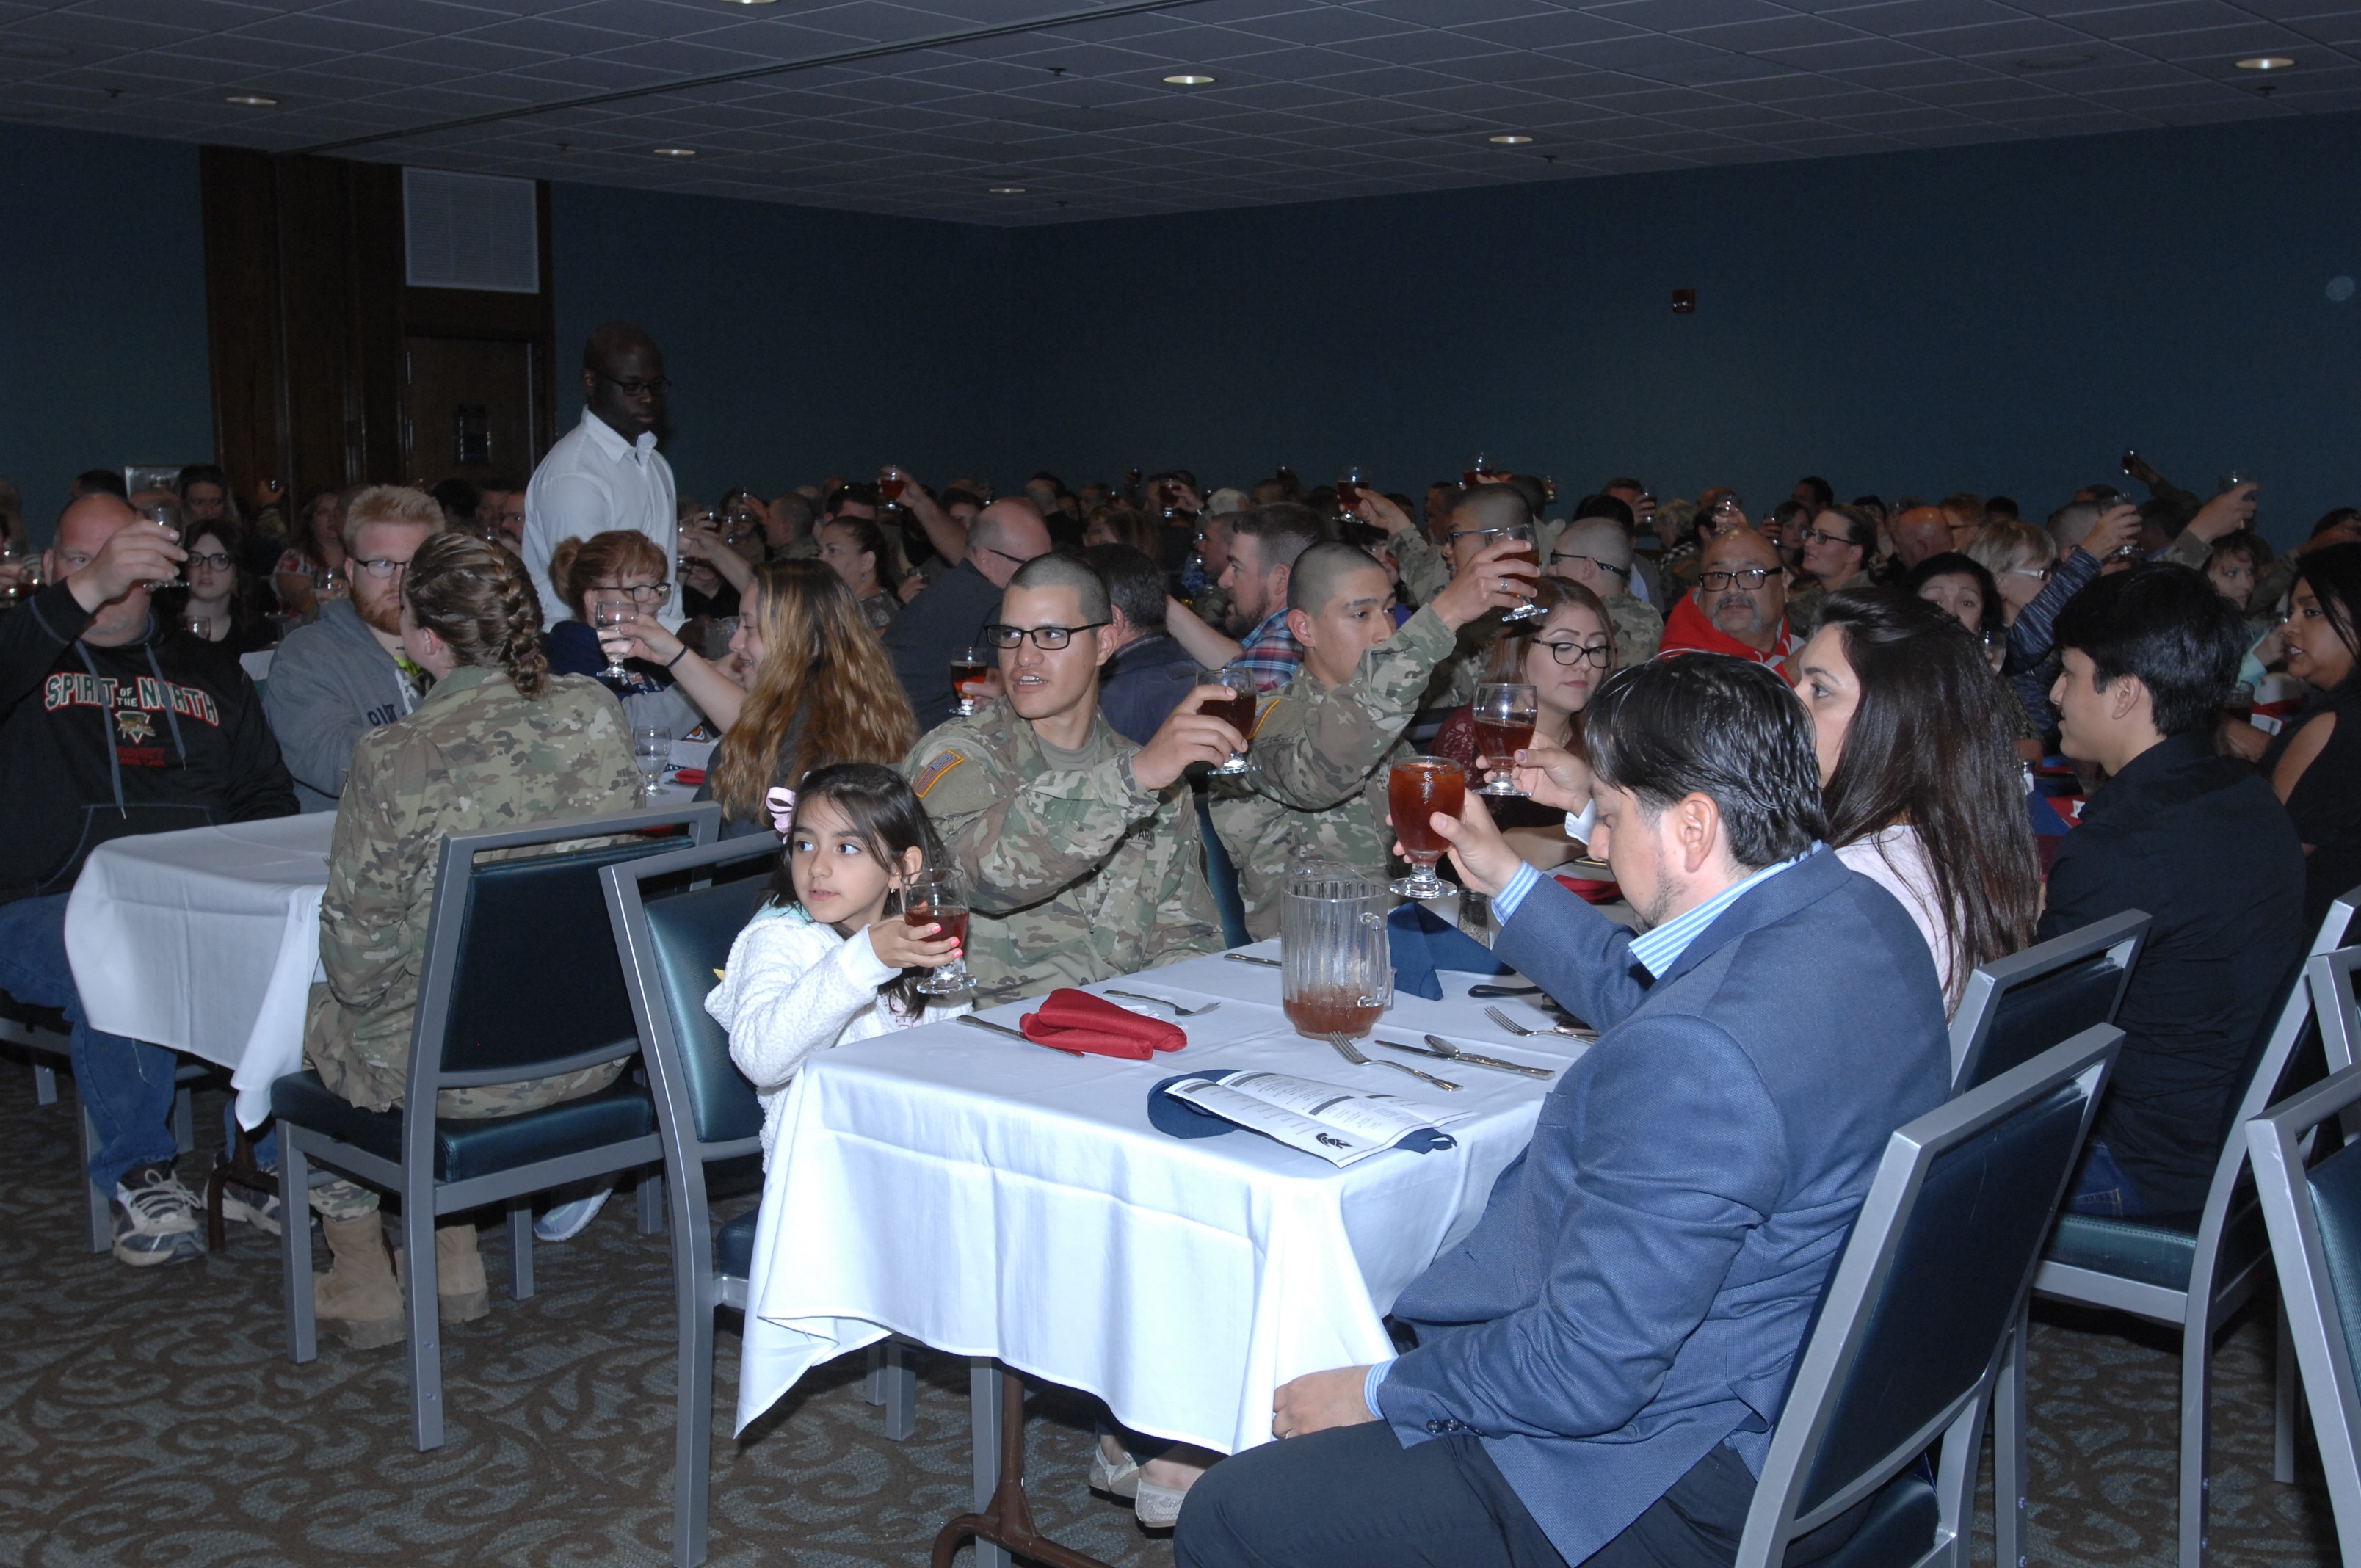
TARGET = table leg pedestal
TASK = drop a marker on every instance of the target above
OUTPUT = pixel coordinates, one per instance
(1004, 1519)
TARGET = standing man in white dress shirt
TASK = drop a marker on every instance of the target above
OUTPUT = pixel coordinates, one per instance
(606, 473)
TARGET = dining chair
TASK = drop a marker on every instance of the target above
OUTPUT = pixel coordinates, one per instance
(2186, 1277)
(674, 916)
(2313, 1207)
(519, 982)
(43, 1031)
(1906, 1339)
(2014, 1008)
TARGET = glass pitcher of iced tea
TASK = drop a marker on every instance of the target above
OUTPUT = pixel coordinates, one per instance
(1337, 967)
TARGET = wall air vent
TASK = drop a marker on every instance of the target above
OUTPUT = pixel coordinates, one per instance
(471, 231)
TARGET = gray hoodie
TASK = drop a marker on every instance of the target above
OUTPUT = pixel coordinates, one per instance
(331, 683)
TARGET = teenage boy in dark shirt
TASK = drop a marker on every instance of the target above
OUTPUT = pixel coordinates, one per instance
(2197, 840)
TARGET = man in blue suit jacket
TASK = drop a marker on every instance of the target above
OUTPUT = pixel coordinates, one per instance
(1599, 1364)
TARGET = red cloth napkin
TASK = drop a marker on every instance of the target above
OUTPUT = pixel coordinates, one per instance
(1076, 1021)
(1591, 891)
(691, 776)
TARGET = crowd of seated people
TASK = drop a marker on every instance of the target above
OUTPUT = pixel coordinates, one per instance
(1720, 698)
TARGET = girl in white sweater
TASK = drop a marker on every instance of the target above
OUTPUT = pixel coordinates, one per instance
(820, 964)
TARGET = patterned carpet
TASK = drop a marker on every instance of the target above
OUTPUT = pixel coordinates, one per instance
(151, 1417)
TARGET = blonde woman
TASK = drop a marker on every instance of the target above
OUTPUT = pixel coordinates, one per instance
(812, 686)
(498, 741)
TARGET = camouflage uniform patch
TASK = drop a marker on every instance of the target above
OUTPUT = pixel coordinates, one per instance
(1637, 629)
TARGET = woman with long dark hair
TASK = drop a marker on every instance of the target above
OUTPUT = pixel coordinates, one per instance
(1919, 772)
(2315, 762)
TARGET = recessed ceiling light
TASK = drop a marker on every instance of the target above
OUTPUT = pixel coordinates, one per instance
(752, 2)
(1509, 140)
(2265, 62)
(1006, 191)
(1189, 79)
(251, 100)
(674, 151)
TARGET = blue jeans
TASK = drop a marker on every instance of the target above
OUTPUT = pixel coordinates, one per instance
(2101, 1188)
(126, 1085)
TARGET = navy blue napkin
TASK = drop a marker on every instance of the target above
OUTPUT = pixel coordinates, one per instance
(1181, 1118)
(1423, 944)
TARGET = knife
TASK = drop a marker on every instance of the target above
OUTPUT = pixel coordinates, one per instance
(1251, 959)
(972, 1020)
(1468, 1058)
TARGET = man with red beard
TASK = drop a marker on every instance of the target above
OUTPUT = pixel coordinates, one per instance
(1739, 604)
(337, 679)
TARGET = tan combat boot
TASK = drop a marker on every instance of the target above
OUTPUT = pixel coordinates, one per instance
(461, 1294)
(358, 1298)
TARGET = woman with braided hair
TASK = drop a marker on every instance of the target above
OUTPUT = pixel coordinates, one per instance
(497, 742)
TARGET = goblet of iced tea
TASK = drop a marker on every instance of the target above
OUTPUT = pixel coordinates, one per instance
(1238, 710)
(1417, 788)
(972, 678)
(1520, 534)
(1504, 713)
(935, 896)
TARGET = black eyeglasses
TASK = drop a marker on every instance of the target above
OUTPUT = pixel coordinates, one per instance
(1596, 655)
(1624, 572)
(1048, 638)
(1747, 577)
(1012, 560)
(656, 388)
(1813, 536)
(383, 567)
(645, 593)
(217, 561)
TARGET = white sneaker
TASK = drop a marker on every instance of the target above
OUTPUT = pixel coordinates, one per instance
(1158, 1508)
(1115, 1480)
(566, 1220)
(156, 1219)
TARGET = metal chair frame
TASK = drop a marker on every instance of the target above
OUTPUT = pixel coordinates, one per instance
(1827, 1360)
(2276, 1141)
(423, 1198)
(700, 1287)
(2197, 1309)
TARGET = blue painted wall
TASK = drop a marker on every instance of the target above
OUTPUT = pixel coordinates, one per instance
(103, 356)
(1993, 318)
(2000, 318)
(800, 342)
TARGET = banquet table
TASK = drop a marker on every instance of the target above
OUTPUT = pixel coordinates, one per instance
(991, 1198)
(207, 941)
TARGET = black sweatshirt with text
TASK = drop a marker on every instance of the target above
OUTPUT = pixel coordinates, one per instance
(162, 733)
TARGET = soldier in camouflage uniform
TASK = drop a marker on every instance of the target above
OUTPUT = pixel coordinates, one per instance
(1324, 743)
(1079, 849)
(498, 742)
(1427, 569)
(1596, 553)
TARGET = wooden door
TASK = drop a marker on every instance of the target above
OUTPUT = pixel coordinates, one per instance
(467, 409)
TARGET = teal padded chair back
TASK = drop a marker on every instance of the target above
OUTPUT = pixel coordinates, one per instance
(694, 904)
(2314, 1215)
(2017, 1007)
(1911, 1323)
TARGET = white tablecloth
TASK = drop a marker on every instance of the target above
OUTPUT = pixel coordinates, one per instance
(207, 941)
(989, 1197)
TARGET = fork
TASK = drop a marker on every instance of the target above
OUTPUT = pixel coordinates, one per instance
(1163, 1001)
(1351, 1053)
(1514, 1027)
